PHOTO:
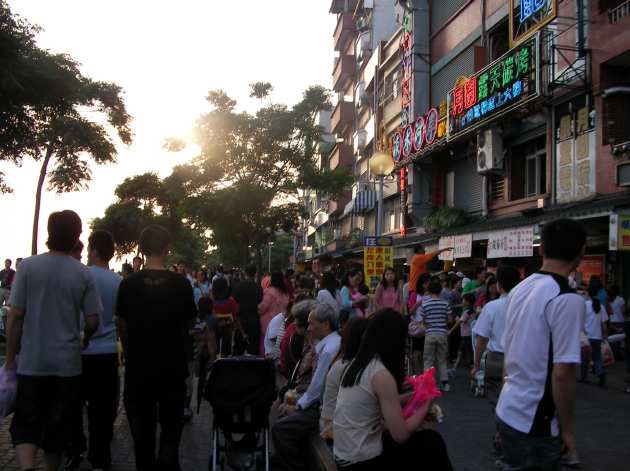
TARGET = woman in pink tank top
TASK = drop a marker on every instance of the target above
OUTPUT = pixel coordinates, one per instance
(389, 292)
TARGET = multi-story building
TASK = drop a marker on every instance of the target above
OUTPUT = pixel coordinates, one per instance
(500, 115)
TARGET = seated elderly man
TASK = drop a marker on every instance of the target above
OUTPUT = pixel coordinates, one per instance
(291, 432)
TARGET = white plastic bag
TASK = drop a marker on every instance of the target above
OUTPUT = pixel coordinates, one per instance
(8, 391)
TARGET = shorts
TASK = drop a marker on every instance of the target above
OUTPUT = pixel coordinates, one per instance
(43, 411)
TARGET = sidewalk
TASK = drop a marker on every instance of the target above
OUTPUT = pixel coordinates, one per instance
(195, 447)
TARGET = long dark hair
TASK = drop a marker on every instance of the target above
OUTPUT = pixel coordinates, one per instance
(349, 274)
(220, 289)
(351, 337)
(329, 283)
(492, 280)
(593, 291)
(384, 338)
(277, 281)
(422, 279)
(384, 280)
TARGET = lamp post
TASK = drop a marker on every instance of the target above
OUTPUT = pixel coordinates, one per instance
(269, 261)
(381, 165)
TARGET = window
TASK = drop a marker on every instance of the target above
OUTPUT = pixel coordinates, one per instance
(617, 119)
(389, 89)
(498, 41)
(497, 187)
(528, 169)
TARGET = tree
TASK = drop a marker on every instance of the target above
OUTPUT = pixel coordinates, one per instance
(146, 199)
(55, 114)
(251, 167)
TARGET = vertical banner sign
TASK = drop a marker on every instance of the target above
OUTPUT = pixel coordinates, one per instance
(406, 46)
(378, 254)
(613, 232)
(526, 17)
(403, 201)
(509, 82)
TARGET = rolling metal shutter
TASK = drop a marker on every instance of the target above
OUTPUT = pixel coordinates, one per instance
(443, 81)
(468, 185)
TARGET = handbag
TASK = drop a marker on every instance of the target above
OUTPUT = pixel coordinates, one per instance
(416, 328)
(608, 358)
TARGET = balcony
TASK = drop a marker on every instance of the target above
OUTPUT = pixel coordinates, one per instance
(339, 6)
(343, 71)
(336, 207)
(341, 156)
(344, 31)
(342, 117)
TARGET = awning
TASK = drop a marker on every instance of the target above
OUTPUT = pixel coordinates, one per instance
(364, 201)
(348, 209)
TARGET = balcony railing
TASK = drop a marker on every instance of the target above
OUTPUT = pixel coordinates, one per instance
(343, 31)
(342, 116)
(618, 13)
(343, 70)
(341, 155)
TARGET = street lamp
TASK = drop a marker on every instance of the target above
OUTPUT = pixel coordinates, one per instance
(381, 165)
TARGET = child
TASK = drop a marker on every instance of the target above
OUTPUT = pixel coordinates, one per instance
(464, 322)
(225, 311)
(434, 312)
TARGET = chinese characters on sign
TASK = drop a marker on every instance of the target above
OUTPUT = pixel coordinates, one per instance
(511, 243)
(526, 17)
(378, 254)
(507, 82)
(424, 132)
(406, 45)
(462, 247)
(591, 265)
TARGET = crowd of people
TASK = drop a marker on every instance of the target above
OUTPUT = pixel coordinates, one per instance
(341, 350)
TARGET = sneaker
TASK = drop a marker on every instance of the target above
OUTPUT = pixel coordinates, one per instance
(445, 387)
(571, 459)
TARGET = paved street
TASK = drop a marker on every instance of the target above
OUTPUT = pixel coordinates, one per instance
(603, 416)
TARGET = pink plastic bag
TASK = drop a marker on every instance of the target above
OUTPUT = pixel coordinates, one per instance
(607, 354)
(8, 391)
(424, 389)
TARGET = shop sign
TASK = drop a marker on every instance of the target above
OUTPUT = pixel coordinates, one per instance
(619, 232)
(506, 83)
(406, 46)
(529, 16)
(424, 132)
(461, 247)
(378, 254)
(511, 243)
(591, 265)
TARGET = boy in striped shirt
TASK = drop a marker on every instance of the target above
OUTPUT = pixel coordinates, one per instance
(434, 312)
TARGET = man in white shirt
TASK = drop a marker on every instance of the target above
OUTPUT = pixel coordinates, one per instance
(489, 332)
(541, 342)
(290, 433)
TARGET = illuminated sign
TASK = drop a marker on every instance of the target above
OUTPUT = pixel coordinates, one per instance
(396, 147)
(406, 45)
(528, 16)
(408, 133)
(510, 81)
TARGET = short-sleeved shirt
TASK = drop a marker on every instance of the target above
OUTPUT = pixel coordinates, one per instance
(6, 278)
(465, 320)
(491, 323)
(418, 267)
(248, 294)
(104, 339)
(593, 321)
(434, 313)
(544, 319)
(53, 290)
(158, 307)
(617, 307)
(225, 310)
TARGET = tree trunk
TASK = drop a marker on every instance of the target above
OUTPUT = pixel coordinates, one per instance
(38, 198)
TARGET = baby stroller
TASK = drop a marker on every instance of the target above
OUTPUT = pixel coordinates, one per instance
(241, 391)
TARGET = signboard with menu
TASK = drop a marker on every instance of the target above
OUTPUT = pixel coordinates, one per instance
(592, 265)
(461, 244)
(378, 254)
(511, 243)
(508, 82)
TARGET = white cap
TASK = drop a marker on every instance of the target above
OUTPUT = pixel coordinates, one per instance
(465, 281)
(460, 274)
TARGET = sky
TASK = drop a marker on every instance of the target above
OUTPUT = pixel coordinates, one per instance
(166, 55)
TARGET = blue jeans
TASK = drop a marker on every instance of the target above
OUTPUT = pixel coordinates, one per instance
(596, 356)
(524, 452)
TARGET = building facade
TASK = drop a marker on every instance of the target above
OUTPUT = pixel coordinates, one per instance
(500, 115)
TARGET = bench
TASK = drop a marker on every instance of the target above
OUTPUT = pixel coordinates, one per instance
(320, 457)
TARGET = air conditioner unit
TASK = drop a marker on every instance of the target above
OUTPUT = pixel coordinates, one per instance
(361, 98)
(364, 46)
(489, 150)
